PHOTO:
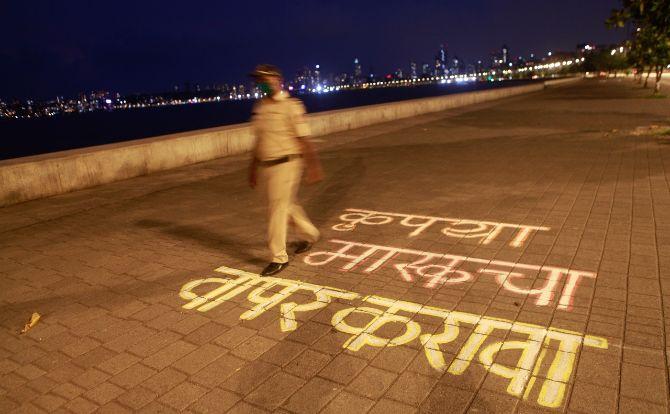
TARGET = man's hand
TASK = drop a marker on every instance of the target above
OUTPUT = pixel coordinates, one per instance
(253, 168)
(314, 172)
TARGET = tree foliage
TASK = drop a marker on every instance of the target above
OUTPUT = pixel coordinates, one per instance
(650, 43)
(602, 60)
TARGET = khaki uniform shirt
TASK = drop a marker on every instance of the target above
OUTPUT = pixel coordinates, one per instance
(277, 122)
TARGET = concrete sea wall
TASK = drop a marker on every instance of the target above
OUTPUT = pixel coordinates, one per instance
(28, 178)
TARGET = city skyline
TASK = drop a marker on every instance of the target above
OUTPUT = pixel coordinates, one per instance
(310, 80)
(77, 47)
(441, 64)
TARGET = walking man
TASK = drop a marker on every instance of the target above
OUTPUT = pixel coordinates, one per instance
(282, 151)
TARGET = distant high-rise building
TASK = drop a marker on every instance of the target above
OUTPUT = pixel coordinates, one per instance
(425, 69)
(442, 68)
(317, 74)
(398, 73)
(342, 79)
(303, 79)
(438, 69)
(505, 55)
(412, 70)
(496, 60)
(358, 72)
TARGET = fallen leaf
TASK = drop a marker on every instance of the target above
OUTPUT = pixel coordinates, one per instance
(32, 322)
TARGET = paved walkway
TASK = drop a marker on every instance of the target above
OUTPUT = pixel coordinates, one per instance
(506, 257)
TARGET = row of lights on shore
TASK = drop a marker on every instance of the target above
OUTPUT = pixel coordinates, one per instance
(456, 78)
(325, 89)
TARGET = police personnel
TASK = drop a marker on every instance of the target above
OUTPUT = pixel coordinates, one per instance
(282, 151)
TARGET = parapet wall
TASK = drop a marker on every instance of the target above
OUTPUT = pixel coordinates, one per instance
(29, 178)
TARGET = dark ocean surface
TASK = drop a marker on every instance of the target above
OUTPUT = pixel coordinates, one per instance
(23, 137)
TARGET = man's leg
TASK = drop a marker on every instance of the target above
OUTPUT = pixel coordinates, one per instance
(277, 231)
(278, 181)
(303, 224)
(296, 213)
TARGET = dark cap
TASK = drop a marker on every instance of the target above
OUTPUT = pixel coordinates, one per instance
(264, 70)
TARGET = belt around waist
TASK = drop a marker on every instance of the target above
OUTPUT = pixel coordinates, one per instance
(276, 161)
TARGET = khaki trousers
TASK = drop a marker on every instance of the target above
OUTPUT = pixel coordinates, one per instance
(281, 183)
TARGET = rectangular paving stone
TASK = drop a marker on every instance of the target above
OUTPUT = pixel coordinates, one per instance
(275, 390)
(243, 407)
(631, 405)
(590, 398)
(205, 333)
(132, 376)
(245, 379)
(137, 397)
(348, 403)
(307, 364)
(104, 393)
(199, 358)
(234, 336)
(644, 383)
(128, 339)
(81, 406)
(169, 354)
(282, 353)
(182, 395)
(343, 369)
(411, 388)
(372, 382)
(94, 357)
(215, 401)
(313, 396)
(386, 406)
(253, 347)
(218, 371)
(90, 378)
(49, 402)
(151, 345)
(118, 363)
(164, 381)
(68, 391)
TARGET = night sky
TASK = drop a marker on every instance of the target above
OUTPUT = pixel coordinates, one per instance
(50, 48)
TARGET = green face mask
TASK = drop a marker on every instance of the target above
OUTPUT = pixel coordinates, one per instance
(265, 88)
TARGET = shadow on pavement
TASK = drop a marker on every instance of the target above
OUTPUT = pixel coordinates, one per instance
(234, 247)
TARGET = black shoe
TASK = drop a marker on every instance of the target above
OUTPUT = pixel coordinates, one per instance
(273, 268)
(302, 246)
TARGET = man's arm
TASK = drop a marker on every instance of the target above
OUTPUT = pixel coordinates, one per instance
(314, 172)
(253, 169)
(253, 165)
